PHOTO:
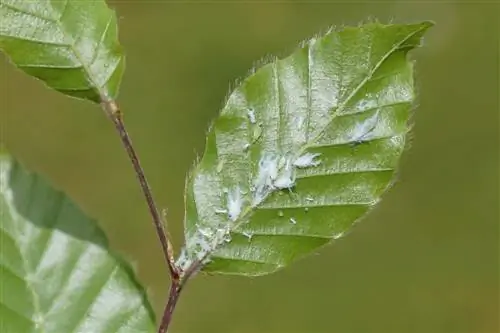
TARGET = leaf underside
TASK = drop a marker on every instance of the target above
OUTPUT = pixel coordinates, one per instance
(303, 148)
(71, 45)
(56, 272)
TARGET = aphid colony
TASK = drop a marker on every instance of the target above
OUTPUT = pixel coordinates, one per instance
(274, 173)
(278, 173)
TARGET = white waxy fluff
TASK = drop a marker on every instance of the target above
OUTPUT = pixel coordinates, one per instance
(307, 160)
(268, 172)
(286, 179)
(234, 204)
(363, 129)
(251, 116)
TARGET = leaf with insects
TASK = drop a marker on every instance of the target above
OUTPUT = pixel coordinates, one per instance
(56, 271)
(71, 45)
(303, 148)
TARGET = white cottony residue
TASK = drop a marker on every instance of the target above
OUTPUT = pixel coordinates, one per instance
(286, 178)
(201, 243)
(207, 236)
(268, 171)
(275, 172)
(307, 160)
(251, 116)
(234, 204)
(362, 130)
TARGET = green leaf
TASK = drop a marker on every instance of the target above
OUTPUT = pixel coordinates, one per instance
(56, 272)
(303, 148)
(71, 45)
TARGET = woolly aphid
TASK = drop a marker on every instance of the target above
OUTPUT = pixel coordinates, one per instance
(307, 160)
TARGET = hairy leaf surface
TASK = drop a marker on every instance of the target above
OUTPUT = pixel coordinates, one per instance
(56, 272)
(303, 148)
(71, 45)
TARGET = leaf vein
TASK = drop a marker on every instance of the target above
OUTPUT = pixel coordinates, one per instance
(349, 172)
(101, 40)
(20, 315)
(316, 205)
(94, 300)
(350, 142)
(9, 269)
(36, 41)
(277, 264)
(291, 235)
(309, 87)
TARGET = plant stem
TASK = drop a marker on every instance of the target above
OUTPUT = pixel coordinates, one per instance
(174, 293)
(115, 115)
(173, 297)
(178, 281)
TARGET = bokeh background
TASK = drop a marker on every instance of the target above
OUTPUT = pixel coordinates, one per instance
(426, 260)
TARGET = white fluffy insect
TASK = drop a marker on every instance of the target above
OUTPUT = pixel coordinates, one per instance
(268, 172)
(307, 160)
(234, 204)
(293, 221)
(285, 181)
(251, 116)
(286, 178)
(363, 130)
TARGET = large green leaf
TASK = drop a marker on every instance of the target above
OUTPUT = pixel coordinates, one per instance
(303, 148)
(71, 45)
(56, 272)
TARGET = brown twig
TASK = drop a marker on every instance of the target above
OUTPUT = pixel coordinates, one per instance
(173, 295)
(114, 114)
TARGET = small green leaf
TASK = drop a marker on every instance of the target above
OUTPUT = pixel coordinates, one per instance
(56, 272)
(306, 146)
(71, 45)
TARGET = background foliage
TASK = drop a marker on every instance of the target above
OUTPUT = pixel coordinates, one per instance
(426, 260)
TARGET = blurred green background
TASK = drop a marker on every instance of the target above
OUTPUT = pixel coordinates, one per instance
(426, 260)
